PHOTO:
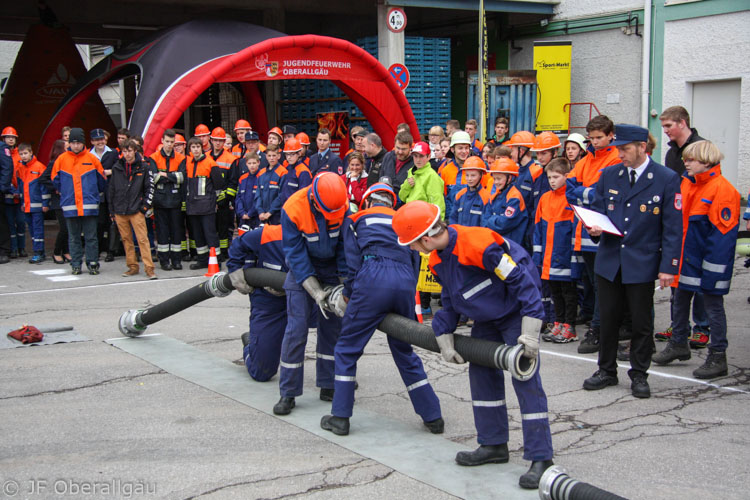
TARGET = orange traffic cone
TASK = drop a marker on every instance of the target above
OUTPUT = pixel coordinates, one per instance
(213, 263)
(418, 308)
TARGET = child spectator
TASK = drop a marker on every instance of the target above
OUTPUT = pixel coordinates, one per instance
(269, 185)
(244, 208)
(356, 178)
(580, 191)
(201, 174)
(506, 211)
(131, 196)
(710, 215)
(553, 230)
(35, 198)
(435, 136)
(502, 152)
(574, 147)
(468, 205)
(488, 154)
(442, 155)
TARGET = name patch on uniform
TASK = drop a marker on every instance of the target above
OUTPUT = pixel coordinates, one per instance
(678, 201)
(510, 211)
(613, 191)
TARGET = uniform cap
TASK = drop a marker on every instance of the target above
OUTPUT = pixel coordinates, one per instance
(97, 133)
(625, 134)
(290, 129)
(414, 220)
(252, 136)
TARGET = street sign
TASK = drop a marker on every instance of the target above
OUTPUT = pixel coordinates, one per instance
(400, 74)
(396, 20)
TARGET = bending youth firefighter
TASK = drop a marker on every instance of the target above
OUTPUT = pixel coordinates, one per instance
(494, 282)
(383, 278)
(311, 220)
(261, 346)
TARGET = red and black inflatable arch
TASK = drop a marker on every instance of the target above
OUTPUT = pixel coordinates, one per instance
(178, 64)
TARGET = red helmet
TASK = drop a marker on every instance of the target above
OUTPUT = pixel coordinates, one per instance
(242, 124)
(303, 139)
(179, 139)
(277, 131)
(9, 131)
(414, 220)
(292, 146)
(504, 166)
(521, 138)
(474, 163)
(201, 130)
(546, 140)
(377, 189)
(328, 192)
(218, 133)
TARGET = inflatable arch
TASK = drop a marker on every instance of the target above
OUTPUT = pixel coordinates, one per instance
(177, 65)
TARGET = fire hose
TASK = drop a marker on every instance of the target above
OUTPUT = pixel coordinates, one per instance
(556, 484)
(479, 351)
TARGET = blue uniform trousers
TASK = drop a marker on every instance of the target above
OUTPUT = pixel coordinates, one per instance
(488, 396)
(380, 288)
(300, 306)
(267, 325)
(35, 221)
(14, 215)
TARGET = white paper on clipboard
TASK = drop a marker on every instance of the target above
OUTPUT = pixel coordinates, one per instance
(591, 218)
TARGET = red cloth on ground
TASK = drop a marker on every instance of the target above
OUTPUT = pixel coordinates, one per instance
(27, 334)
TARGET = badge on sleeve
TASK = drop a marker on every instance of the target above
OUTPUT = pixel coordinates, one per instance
(656, 210)
(510, 211)
(611, 207)
(726, 214)
(656, 199)
(678, 201)
(7, 152)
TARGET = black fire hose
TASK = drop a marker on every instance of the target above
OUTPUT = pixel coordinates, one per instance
(556, 484)
(482, 352)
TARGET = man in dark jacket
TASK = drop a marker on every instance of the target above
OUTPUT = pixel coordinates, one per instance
(675, 121)
(6, 173)
(131, 194)
(397, 163)
(375, 154)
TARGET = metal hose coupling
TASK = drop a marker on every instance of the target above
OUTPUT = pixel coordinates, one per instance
(215, 286)
(512, 360)
(556, 484)
(130, 323)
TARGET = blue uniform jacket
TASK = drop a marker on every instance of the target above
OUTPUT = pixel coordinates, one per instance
(368, 234)
(330, 162)
(34, 196)
(261, 247)
(649, 216)
(244, 204)
(312, 244)
(6, 170)
(485, 278)
(267, 195)
(297, 177)
(506, 213)
(468, 206)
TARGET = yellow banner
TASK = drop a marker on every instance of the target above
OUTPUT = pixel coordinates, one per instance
(552, 65)
(427, 281)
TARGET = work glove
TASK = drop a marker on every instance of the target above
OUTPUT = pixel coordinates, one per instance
(529, 338)
(447, 349)
(238, 282)
(312, 286)
(337, 302)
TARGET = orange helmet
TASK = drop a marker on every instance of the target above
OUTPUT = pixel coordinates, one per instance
(292, 146)
(521, 138)
(277, 131)
(179, 139)
(9, 131)
(504, 166)
(201, 130)
(414, 220)
(474, 163)
(218, 133)
(546, 140)
(303, 139)
(328, 192)
(242, 124)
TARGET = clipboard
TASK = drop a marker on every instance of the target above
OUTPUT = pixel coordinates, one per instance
(590, 218)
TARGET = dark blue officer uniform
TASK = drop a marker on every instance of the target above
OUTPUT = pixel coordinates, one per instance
(326, 161)
(262, 248)
(384, 279)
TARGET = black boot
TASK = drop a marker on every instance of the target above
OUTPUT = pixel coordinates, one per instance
(284, 406)
(530, 480)
(436, 426)
(326, 394)
(590, 342)
(715, 366)
(672, 352)
(485, 454)
(110, 257)
(337, 425)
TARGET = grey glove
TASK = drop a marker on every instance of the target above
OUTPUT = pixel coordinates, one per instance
(530, 328)
(312, 286)
(447, 349)
(336, 302)
(238, 282)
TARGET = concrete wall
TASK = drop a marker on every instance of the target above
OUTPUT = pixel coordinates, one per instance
(705, 49)
(570, 9)
(605, 63)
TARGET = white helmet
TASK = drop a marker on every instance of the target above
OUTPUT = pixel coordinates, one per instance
(460, 137)
(578, 139)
